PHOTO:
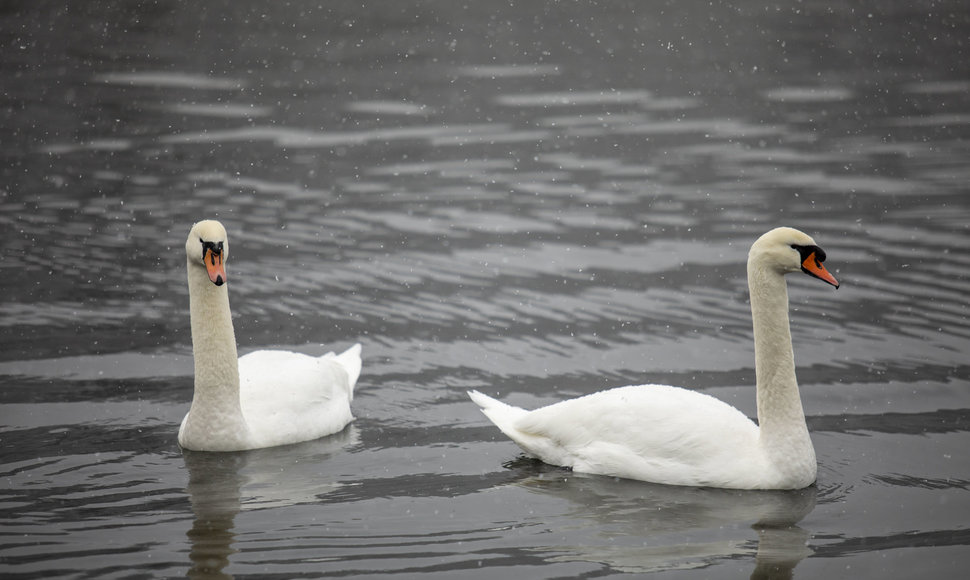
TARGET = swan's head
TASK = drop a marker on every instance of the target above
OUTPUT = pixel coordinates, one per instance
(787, 250)
(208, 247)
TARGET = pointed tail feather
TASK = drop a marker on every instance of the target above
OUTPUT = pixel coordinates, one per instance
(514, 423)
(501, 414)
(350, 360)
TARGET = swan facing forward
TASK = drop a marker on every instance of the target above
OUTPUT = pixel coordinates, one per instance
(266, 398)
(675, 436)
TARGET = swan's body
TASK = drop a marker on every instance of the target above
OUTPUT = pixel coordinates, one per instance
(265, 398)
(675, 436)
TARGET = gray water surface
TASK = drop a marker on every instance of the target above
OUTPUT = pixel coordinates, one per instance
(535, 200)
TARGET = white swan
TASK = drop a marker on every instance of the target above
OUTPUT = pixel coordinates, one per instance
(675, 436)
(267, 397)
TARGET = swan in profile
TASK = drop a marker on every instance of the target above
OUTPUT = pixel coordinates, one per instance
(267, 397)
(675, 436)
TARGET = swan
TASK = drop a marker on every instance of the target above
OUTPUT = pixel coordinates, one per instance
(676, 436)
(267, 397)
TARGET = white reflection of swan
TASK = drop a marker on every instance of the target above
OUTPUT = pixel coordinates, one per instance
(223, 484)
(650, 527)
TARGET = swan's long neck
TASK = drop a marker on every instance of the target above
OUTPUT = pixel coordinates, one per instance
(215, 401)
(780, 413)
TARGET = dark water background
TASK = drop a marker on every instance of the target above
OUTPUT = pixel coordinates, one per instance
(537, 200)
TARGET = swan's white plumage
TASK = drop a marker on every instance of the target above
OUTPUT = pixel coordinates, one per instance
(265, 398)
(643, 432)
(676, 436)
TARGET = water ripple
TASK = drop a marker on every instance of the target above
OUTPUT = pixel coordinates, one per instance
(575, 98)
(809, 94)
(170, 80)
(301, 138)
(509, 71)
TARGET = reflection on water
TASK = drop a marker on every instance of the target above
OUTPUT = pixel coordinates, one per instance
(222, 484)
(214, 490)
(646, 528)
(537, 201)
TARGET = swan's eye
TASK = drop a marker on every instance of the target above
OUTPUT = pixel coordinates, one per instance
(214, 247)
(806, 251)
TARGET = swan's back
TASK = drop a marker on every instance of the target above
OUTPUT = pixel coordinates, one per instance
(288, 397)
(654, 433)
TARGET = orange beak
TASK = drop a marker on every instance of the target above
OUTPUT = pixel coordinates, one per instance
(813, 267)
(214, 266)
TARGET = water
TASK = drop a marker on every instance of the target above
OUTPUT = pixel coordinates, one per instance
(537, 201)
